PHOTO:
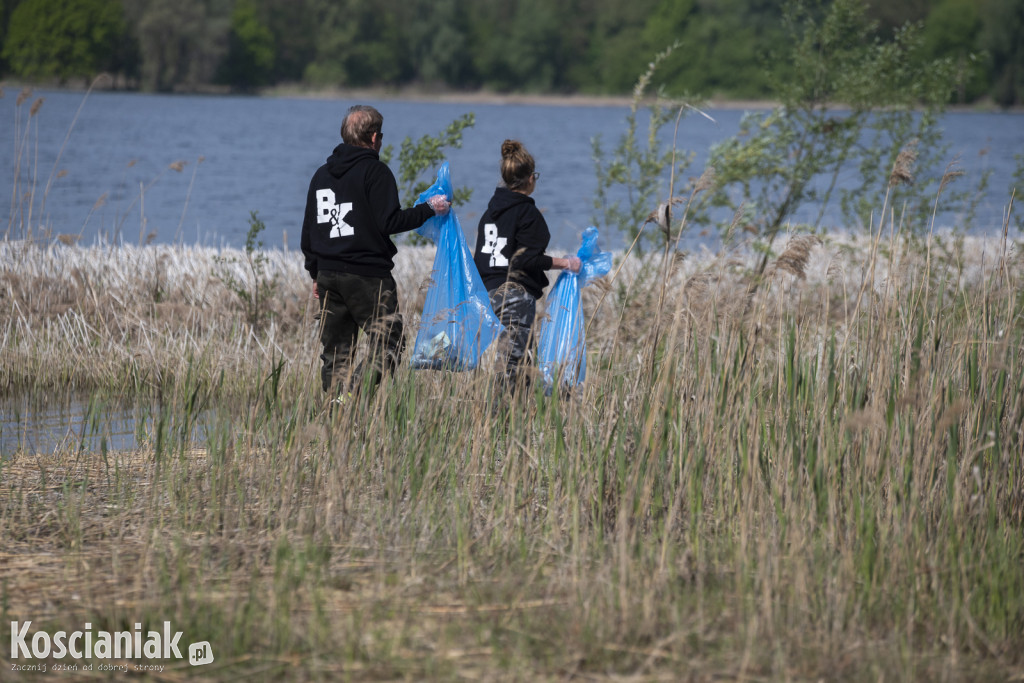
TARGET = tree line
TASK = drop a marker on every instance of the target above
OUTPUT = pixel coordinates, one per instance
(724, 48)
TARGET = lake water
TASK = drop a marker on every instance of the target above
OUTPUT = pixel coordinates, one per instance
(71, 425)
(107, 159)
(93, 424)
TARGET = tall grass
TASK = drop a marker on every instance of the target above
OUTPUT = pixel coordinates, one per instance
(816, 478)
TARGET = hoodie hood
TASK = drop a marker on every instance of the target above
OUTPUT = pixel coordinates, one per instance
(345, 156)
(505, 199)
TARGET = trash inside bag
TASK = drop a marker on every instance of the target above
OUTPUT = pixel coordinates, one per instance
(562, 350)
(457, 324)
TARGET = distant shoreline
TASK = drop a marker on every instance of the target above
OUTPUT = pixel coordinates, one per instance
(492, 98)
(481, 97)
(554, 99)
(551, 99)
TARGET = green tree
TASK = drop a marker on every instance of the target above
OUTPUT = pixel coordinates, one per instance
(953, 29)
(486, 21)
(181, 44)
(793, 155)
(1003, 26)
(357, 43)
(6, 7)
(887, 16)
(534, 59)
(332, 35)
(722, 45)
(521, 53)
(292, 23)
(534, 45)
(63, 39)
(616, 51)
(595, 46)
(250, 58)
(437, 40)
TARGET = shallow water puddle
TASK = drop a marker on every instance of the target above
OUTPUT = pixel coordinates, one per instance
(87, 425)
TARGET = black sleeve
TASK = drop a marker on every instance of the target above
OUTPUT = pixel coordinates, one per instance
(308, 224)
(532, 237)
(382, 191)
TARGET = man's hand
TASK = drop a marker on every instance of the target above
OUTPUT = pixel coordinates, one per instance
(316, 293)
(440, 204)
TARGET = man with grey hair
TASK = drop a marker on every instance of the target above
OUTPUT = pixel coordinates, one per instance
(352, 210)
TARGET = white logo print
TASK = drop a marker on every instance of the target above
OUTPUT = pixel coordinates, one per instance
(493, 245)
(327, 211)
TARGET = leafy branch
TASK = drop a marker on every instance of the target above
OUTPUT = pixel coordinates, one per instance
(424, 156)
(256, 287)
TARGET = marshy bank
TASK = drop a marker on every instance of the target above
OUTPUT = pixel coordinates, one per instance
(127, 321)
(810, 473)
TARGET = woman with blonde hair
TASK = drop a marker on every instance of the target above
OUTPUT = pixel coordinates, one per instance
(510, 245)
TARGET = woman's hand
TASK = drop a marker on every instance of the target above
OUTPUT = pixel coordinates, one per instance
(570, 263)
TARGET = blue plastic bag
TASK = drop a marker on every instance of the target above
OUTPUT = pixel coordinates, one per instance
(562, 350)
(458, 323)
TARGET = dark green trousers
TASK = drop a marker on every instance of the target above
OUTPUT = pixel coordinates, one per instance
(349, 303)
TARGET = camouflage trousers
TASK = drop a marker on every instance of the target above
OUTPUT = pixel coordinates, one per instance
(516, 309)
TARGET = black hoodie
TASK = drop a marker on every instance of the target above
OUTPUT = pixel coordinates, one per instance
(352, 209)
(510, 243)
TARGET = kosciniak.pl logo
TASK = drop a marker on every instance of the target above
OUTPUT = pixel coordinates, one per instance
(90, 644)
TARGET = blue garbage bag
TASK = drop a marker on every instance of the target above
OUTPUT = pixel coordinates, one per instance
(562, 350)
(458, 323)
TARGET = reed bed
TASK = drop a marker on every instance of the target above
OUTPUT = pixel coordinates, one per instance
(813, 473)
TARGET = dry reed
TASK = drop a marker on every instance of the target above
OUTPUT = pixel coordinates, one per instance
(820, 480)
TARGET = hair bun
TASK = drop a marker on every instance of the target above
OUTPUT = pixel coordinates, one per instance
(509, 148)
(516, 164)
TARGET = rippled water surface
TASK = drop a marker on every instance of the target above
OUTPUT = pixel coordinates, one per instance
(89, 425)
(101, 164)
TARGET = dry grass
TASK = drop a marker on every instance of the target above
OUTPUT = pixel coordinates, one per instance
(815, 478)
